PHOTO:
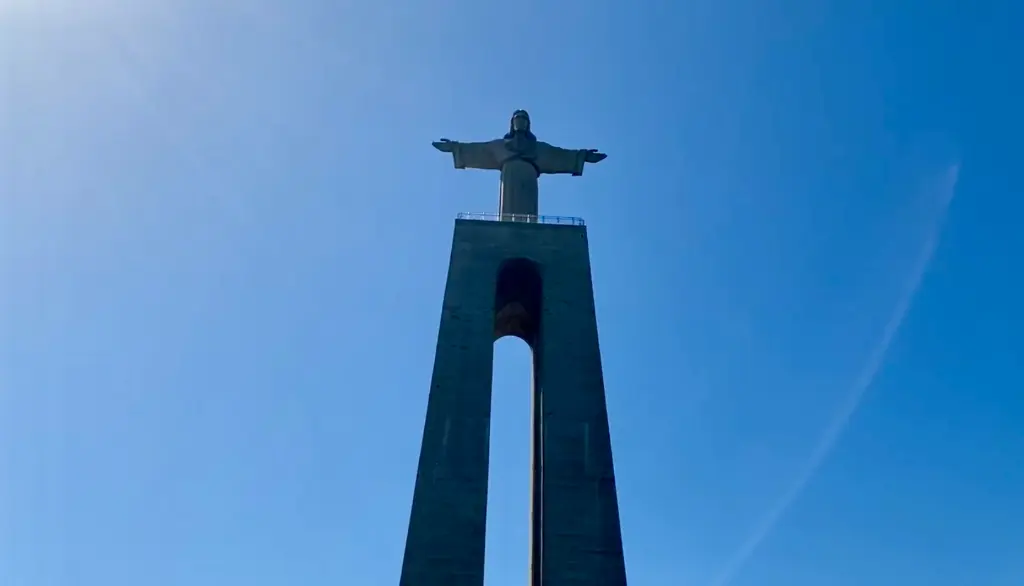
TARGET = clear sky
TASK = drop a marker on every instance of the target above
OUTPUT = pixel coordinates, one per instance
(223, 244)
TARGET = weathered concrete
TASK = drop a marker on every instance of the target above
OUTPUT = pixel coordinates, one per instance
(532, 281)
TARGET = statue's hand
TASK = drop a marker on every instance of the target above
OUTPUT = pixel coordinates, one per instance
(595, 157)
(445, 145)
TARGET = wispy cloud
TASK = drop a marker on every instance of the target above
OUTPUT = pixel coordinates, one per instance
(861, 384)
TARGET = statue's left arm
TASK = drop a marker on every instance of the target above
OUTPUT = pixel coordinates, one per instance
(554, 160)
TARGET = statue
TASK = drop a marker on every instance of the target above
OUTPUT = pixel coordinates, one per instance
(521, 158)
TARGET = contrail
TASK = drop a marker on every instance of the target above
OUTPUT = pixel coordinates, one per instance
(860, 386)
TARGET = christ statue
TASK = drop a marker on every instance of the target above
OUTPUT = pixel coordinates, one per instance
(521, 158)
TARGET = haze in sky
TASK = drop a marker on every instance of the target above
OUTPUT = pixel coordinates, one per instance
(223, 244)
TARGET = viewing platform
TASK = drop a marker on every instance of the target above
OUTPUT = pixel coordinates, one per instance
(524, 218)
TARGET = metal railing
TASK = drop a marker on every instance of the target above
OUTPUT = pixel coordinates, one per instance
(525, 218)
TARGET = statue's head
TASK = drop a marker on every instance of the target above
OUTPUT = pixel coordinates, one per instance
(519, 125)
(520, 122)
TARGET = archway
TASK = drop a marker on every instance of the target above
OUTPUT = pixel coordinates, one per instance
(517, 311)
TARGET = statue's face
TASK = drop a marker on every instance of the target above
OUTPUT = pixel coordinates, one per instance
(520, 122)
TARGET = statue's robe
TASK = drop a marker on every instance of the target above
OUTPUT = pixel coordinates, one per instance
(521, 162)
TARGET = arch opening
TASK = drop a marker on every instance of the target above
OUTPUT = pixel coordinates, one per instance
(517, 313)
(509, 491)
(517, 301)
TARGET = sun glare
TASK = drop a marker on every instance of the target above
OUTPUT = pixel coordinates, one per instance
(62, 9)
(11, 7)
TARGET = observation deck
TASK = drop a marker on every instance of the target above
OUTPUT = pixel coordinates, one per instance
(522, 218)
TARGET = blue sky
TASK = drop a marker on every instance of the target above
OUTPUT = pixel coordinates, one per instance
(223, 243)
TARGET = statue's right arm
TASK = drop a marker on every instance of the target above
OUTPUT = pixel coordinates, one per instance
(444, 145)
(470, 155)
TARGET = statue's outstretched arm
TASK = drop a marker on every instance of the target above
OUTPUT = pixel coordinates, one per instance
(556, 160)
(470, 155)
(444, 145)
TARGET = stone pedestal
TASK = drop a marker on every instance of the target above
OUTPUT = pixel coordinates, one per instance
(530, 280)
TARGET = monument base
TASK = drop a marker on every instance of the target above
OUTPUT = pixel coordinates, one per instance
(531, 280)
